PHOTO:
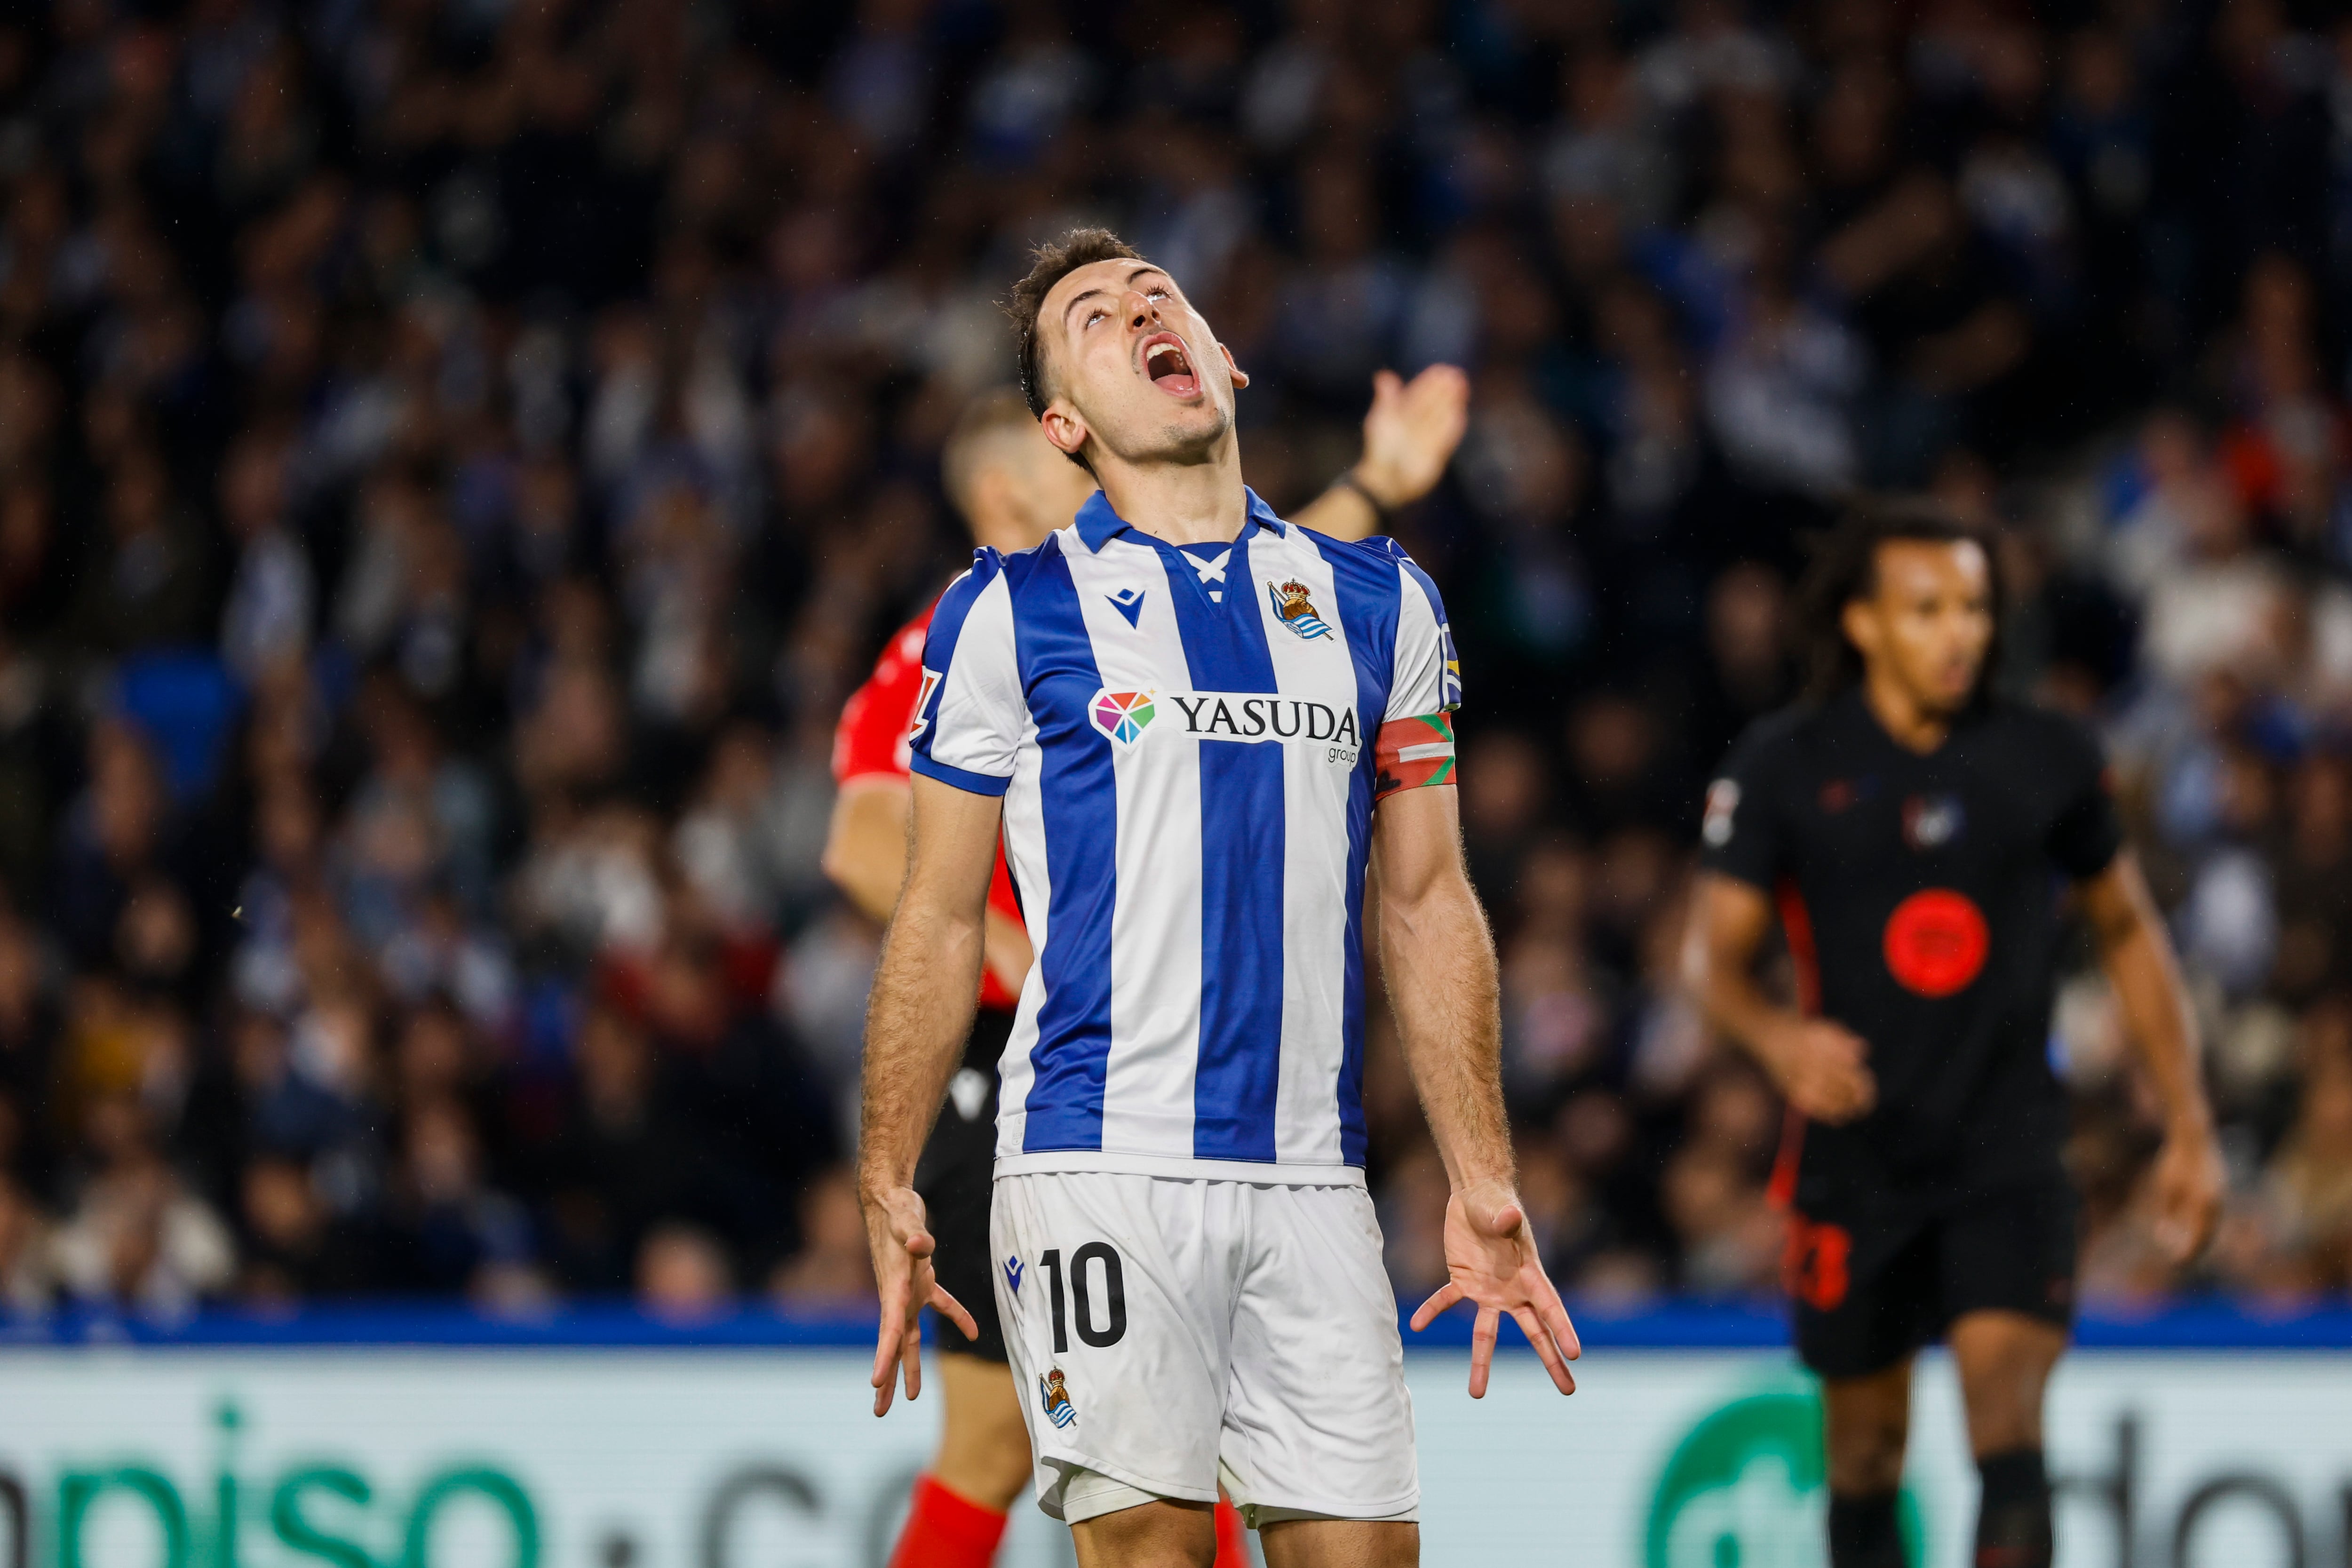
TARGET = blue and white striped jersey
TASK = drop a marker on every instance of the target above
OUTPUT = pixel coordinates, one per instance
(1189, 743)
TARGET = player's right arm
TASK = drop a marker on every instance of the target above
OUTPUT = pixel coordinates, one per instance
(966, 730)
(925, 989)
(865, 857)
(1821, 1068)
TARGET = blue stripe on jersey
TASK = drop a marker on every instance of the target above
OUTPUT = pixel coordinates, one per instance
(1242, 831)
(1370, 597)
(1073, 1052)
(939, 652)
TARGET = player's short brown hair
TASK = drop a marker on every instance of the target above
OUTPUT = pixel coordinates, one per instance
(997, 415)
(1845, 568)
(1048, 264)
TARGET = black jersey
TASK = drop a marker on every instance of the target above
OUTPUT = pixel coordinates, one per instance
(1921, 896)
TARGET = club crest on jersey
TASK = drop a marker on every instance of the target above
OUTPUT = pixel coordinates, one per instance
(1123, 715)
(1055, 1396)
(1012, 1274)
(1296, 609)
(1933, 821)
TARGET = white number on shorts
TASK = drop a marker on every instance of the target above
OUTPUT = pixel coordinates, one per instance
(1114, 1295)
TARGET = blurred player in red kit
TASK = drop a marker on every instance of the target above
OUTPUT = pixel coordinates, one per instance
(1013, 488)
(1914, 829)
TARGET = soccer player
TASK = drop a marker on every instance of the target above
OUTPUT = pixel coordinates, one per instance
(1913, 830)
(1013, 489)
(1196, 724)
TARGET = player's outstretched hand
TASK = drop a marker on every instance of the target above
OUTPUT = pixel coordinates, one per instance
(899, 1234)
(1822, 1069)
(1491, 1261)
(1411, 433)
(2187, 1184)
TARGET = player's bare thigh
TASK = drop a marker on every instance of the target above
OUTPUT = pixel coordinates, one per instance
(983, 1445)
(1184, 1535)
(2004, 1361)
(1163, 1534)
(1341, 1543)
(1865, 1423)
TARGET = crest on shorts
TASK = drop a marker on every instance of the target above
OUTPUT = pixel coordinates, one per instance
(1296, 609)
(1057, 1398)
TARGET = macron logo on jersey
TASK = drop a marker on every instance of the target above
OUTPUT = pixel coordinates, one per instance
(1245, 716)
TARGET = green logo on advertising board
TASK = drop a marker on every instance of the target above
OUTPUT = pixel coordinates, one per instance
(202, 1536)
(1746, 1489)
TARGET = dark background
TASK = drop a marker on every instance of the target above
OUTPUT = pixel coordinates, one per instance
(456, 457)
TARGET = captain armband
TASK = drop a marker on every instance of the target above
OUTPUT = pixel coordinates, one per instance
(1412, 753)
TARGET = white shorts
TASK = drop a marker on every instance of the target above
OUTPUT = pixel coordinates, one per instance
(1169, 1334)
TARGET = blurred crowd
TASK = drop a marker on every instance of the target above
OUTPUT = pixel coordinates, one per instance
(457, 456)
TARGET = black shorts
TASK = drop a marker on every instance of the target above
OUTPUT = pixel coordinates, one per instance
(1875, 1283)
(954, 1178)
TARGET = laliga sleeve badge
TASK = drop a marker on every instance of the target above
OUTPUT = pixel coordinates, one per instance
(1055, 1396)
(1722, 805)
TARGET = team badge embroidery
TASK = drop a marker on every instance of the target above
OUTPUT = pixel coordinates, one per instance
(1056, 1398)
(1122, 715)
(1933, 821)
(1012, 1274)
(1297, 610)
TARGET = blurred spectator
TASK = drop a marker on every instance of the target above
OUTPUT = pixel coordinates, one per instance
(682, 1274)
(453, 465)
(834, 1271)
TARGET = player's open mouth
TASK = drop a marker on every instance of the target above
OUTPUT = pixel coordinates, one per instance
(1169, 366)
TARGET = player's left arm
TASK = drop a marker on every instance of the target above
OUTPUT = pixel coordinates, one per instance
(1439, 958)
(1410, 435)
(2157, 1015)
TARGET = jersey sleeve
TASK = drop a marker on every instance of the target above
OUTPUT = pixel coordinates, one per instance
(870, 742)
(969, 711)
(2088, 832)
(1741, 835)
(1414, 747)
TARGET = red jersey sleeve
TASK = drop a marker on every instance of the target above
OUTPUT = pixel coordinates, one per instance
(871, 739)
(870, 742)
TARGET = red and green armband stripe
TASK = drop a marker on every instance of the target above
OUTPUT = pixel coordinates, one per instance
(1412, 752)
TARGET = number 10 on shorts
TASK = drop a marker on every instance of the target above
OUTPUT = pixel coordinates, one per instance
(1082, 1282)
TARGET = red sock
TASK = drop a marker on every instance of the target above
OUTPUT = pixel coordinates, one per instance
(944, 1531)
(1233, 1550)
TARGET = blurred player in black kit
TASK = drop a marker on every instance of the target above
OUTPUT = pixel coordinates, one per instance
(1915, 834)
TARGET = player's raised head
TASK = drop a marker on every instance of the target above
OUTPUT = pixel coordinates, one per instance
(1011, 485)
(1114, 359)
(1905, 595)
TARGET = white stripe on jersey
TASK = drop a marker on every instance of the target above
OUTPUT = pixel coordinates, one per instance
(1024, 856)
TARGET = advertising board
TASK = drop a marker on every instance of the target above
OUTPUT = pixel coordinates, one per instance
(387, 1458)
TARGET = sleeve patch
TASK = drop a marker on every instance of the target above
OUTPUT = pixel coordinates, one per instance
(1412, 754)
